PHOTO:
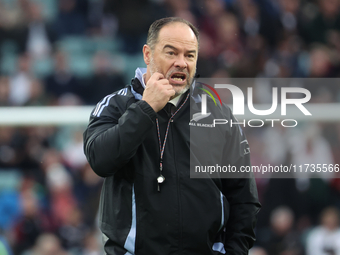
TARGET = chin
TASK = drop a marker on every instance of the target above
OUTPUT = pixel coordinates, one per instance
(180, 90)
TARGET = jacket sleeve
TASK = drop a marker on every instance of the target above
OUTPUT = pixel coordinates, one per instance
(241, 193)
(113, 136)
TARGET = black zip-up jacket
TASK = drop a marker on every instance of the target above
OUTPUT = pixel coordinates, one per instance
(189, 215)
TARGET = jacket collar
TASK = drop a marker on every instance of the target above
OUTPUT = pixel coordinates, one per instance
(137, 86)
(139, 74)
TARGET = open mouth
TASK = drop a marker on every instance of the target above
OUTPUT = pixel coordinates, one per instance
(179, 77)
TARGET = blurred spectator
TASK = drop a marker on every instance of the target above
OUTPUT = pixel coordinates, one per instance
(134, 17)
(4, 91)
(207, 63)
(310, 146)
(320, 62)
(70, 21)
(281, 238)
(92, 247)
(213, 9)
(229, 45)
(255, 45)
(87, 190)
(9, 209)
(10, 142)
(290, 15)
(290, 43)
(250, 17)
(287, 57)
(47, 244)
(4, 246)
(37, 94)
(181, 8)
(73, 231)
(272, 137)
(33, 142)
(3, 25)
(37, 37)
(324, 239)
(60, 184)
(257, 251)
(261, 17)
(62, 81)
(73, 154)
(12, 17)
(20, 82)
(30, 225)
(324, 23)
(96, 16)
(104, 81)
(273, 197)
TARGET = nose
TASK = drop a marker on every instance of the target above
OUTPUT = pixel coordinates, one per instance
(180, 62)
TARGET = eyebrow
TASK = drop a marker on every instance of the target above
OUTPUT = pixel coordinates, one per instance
(174, 48)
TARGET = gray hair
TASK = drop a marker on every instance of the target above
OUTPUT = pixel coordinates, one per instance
(158, 24)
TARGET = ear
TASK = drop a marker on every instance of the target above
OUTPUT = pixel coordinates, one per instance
(147, 54)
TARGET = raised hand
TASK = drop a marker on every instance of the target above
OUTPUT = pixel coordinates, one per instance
(158, 91)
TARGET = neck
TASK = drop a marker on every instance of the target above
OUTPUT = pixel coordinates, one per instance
(146, 76)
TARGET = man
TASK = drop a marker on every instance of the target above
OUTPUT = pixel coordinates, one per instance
(149, 204)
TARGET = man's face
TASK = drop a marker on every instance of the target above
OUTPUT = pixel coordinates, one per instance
(175, 56)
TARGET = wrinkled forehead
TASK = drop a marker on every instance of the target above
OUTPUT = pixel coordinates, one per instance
(179, 35)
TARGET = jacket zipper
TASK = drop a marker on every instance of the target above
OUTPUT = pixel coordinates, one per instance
(180, 246)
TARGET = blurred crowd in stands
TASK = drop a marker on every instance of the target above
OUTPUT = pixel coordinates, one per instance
(75, 52)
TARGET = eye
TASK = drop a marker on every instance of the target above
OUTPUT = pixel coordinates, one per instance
(171, 53)
(191, 56)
